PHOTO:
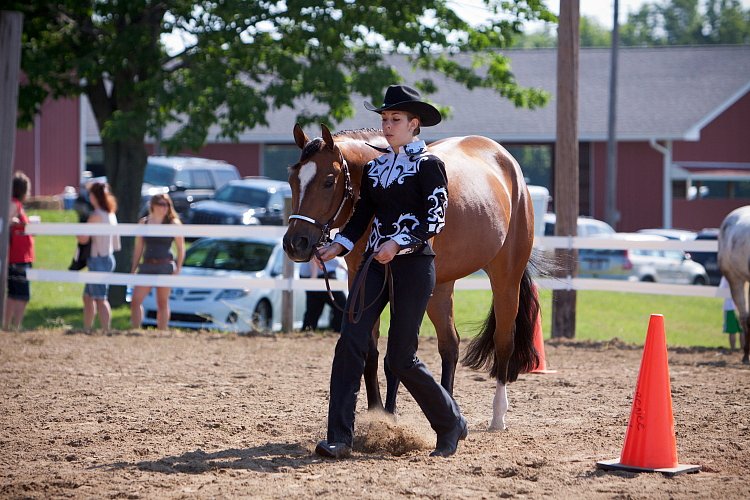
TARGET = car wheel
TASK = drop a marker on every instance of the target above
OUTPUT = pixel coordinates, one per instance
(699, 280)
(263, 317)
(648, 279)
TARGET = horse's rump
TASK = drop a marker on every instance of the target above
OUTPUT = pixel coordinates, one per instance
(486, 189)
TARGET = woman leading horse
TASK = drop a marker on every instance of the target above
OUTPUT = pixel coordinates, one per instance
(488, 225)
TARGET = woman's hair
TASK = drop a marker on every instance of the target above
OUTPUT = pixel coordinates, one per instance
(410, 117)
(171, 217)
(104, 198)
(21, 184)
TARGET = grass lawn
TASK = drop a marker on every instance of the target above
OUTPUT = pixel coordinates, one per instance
(690, 321)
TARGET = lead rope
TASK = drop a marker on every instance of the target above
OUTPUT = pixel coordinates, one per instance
(357, 292)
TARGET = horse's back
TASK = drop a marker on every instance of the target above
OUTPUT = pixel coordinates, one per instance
(734, 244)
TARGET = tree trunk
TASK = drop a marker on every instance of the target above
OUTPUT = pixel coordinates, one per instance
(125, 164)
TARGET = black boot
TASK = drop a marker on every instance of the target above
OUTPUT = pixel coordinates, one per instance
(333, 450)
(448, 442)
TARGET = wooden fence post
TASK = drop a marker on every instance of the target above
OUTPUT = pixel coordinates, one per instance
(287, 299)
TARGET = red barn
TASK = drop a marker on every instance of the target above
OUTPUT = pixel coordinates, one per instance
(683, 130)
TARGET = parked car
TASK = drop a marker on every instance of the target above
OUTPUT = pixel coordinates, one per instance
(653, 265)
(586, 227)
(231, 309)
(247, 201)
(709, 260)
(671, 234)
(186, 179)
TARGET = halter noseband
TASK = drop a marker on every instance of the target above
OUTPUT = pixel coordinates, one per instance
(348, 194)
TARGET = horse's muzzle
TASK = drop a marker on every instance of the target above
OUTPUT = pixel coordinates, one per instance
(297, 247)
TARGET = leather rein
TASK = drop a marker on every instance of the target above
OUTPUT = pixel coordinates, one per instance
(358, 287)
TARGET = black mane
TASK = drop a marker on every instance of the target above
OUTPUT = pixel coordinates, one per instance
(362, 133)
(310, 149)
(317, 144)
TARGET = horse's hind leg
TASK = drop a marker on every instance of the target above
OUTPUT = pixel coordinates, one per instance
(505, 289)
(440, 312)
(739, 289)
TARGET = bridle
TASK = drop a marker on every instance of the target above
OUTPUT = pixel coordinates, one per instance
(348, 195)
(357, 292)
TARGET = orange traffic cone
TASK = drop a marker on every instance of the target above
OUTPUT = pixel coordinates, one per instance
(650, 444)
(541, 367)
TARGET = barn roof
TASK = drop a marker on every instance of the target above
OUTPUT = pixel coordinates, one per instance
(665, 93)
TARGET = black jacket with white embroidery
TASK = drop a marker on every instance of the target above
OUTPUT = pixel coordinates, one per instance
(407, 195)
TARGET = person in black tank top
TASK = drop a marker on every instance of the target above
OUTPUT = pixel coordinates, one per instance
(156, 252)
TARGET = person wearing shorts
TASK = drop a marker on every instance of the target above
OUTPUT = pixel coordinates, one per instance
(156, 252)
(102, 257)
(20, 256)
(731, 325)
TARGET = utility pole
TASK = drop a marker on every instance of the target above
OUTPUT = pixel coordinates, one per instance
(11, 25)
(566, 162)
(612, 215)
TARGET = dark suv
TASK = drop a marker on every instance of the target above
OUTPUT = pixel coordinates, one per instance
(186, 179)
(249, 201)
(708, 259)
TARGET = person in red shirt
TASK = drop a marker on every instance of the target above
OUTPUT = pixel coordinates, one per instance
(20, 256)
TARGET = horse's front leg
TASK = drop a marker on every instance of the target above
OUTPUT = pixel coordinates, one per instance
(440, 312)
(374, 402)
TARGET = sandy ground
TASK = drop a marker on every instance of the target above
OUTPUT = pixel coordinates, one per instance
(197, 415)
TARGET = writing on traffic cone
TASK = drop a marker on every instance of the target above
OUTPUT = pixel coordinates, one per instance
(541, 367)
(650, 444)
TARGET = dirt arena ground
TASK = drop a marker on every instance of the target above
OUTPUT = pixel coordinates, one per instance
(196, 415)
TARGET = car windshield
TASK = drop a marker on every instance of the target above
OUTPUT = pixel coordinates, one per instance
(229, 255)
(157, 175)
(250, 196)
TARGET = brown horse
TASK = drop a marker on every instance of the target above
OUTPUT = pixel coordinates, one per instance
(489, 225)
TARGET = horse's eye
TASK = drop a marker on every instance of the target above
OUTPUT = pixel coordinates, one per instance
(329, 182)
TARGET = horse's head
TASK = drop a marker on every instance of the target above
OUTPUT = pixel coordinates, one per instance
(321, 187)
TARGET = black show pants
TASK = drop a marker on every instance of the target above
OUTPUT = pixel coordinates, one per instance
(413, 282)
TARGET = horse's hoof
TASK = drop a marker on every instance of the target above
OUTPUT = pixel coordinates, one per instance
(379, 413)
(497, 427)
(746, 360)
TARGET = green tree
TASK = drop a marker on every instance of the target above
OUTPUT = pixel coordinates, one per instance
(242, 60)
(688, 22)
(593, 34)
(727, 23)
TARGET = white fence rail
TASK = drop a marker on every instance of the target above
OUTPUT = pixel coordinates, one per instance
(230, 281)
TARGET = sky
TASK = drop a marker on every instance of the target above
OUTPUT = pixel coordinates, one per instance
(601, 10)
(471, 10)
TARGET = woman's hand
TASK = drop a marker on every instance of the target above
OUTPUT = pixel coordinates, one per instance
(329, 251)
(387, 252)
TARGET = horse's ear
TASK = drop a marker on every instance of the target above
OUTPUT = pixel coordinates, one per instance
(327, 137)
(299, 136)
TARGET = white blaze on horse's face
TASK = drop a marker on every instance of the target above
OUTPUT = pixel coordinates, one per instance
(306, 174)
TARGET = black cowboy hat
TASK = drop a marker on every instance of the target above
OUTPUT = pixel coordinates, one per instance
(403, 98)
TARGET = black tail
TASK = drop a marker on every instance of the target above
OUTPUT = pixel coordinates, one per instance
(480, 355)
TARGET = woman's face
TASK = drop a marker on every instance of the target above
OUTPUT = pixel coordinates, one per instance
(159, 206)
(397, 128)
